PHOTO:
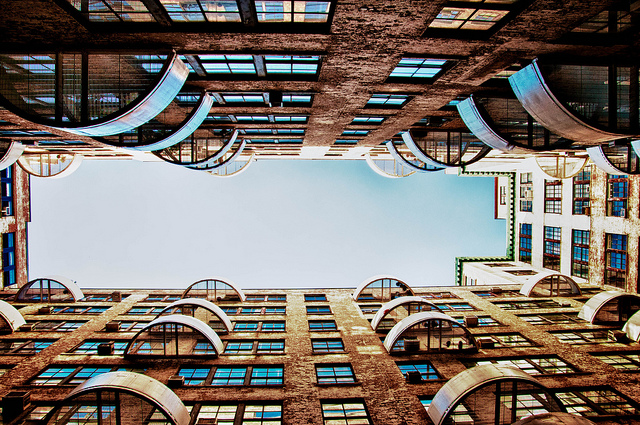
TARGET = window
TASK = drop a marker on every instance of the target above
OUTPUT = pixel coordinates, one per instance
(503, 195)
(32, 346)
(132, 326)
(56, 325)
(78, 310)
(580, 253)
(438, 295)
(509, 340)
(8, 259)
(73, 375)
(582, 192)
(551, 255)
(526, 192)
(595, 402)
(323, 346)
(253, 311)
(275, 326)
(387, 101)
(620, 361)
(318, 309)
(425, 369)
(584, 336)
(163, 297)
(456, 307)
(529, 304)
(368, 119)
(6, 182)
(335, 374)
(145, 310)
(525, 243)
(322, 325)
(617, 194)
(315, 297)
(254, 347)
(521, 272)
(103, 297)
(249, 413)
(606, 22)
(355, 133)
(345, 412)
(264, 99)
(482, 321)
(297, 11)
(232, 375)
(552, 318)
(267, 297)
(537, 365)
(418, 70)
(553, 196)
(254, 66)
(91, 347)
(472, 19)
(615, 272)
(369, 308)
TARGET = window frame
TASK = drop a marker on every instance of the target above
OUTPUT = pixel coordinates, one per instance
(553, 196)
(580, 263)
(327, 341)
(550, 259)
(247, 377)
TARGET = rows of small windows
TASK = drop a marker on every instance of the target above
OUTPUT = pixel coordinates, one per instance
(253, 66)
(581, 193)
(233, 310)
(233, 375)
(254, 347)
(267, 118)
(534, 365)
(529, 304)
(486, 18)
(584, 336)
(552, 318)
(453, 306)
(75, 375)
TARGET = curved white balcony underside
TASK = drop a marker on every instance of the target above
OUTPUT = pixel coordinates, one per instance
(417, 152)
(25, 162)
(215, 280)
(223, 163)
(211, 161)
(207, 305)
(395, 303)
(480, 128)
(463, 384)
(632, 327)
(11, 316)
(405, 324)
(592, 307)
(142, 386)
(561, 166)
(395, 154)
(65, 282)
(529, 285)
(228, 170)
(398, 168)
(598, 157)
(536, 97)
(362, 285)
(197, 117)
(154, 102)
(11, 155)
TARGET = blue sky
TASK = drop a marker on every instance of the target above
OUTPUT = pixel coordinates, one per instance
(282, 223)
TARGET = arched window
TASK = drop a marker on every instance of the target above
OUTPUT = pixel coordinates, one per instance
(50, 289)
(428, 331)
(550, 285)
(390, 168)
(491, 394)
(616, 159)
(401, 308)
(50, 165)
(443, 149)
(119, 398)
(611, 307)
(215, 289)
(175, 335)
(381, 288)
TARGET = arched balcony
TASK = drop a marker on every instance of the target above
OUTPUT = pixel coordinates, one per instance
(11, 318)
(491, 395)
(50, 289)
(215, 289)
(503, 123)
(561, 165)
(9, 152)
(381, 288)
(90, 94)
(120, 398)
(175, 336)
(400, 308)
(171, 126)
(443, 149)
(233, 168)
(617, 158)
(586, 103)
(403, 155)
(612, 307)
(550, 285)
(201, 309)
(391, 168)
(429, 331)
(50, 165)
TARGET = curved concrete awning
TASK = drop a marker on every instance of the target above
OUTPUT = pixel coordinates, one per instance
(11, 316)
(49, 165)
(179, 320)
(395, 303)
(610, 159)
(392, 284)
(595, 304)
(416, 165)
(138, 385)
(405, 324)
(207, 305)
(48, 289)
(232, 168)
(559, 285)
(213, 285)
(186, 128)
(222, 161)
(418, 153)
(11, 154)
(471, 380)
(536, 97)
(389, 168)
(480, 127)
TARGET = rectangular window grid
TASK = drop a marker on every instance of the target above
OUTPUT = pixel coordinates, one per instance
(584, 336)
(20, 347)
(6, 185)
(483, 321)
(615, 272)
(419, 70)
(580, 253)
(552, 318)
(582, 192)
(552, 246)
(273, 326)
(315, 297)
(553, 196)
(456, 307)
(617, 195)
(246, 414)
(620, 361)
(466, 18)
(322, 325)
(91, 347)
(368, 119)
(426, 370)
(525, 243)
(344, 412)
(8, 259)
(56, 325)
(510, 340)
(323, 346)
(297, 11)
(335, 374)
(526, 192)
(528, 304)
(78, 310)
(145, 310)
(318, 309)
(380, 100)
(597, 402)
(545, 365)
(73, 375)
(233, 375)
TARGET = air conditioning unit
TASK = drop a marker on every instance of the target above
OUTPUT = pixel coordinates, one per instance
(105, 349)
(471, 321)
(116, 296)
(618, 335)
(414, 377)
(44, 310)
(486, 342)
(112, 327)
(28, 327)
(176, 381)
(411, 344)
(14, 404)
